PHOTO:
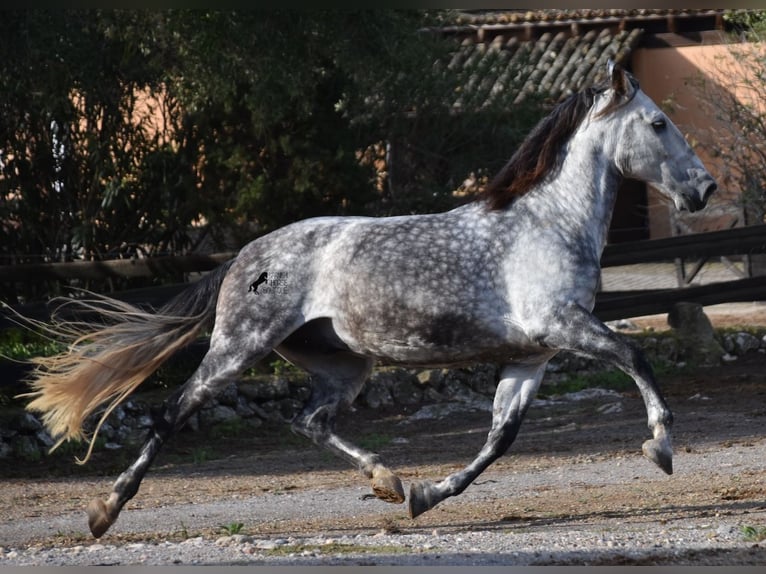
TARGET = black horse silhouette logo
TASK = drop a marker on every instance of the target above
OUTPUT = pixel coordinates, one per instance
(264, 278)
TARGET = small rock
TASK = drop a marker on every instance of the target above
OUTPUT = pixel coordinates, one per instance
(623, 325)
(610, 409)
(27, 422)
(144, 422)
(133, 408)
(745, 342)
(44, 438)
(228, 396)
(26, 448)
(697, 340)
(276, 388)
(243, 409)
(216, 414)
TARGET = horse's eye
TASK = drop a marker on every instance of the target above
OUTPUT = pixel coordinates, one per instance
(658, 125)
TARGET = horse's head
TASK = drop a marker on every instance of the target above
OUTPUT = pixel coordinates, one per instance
(647, 146)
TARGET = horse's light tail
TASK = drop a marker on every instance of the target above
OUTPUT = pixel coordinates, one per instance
(108, 358)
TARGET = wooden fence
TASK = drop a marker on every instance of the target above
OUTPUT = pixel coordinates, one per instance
(610, 305)
(741, 241)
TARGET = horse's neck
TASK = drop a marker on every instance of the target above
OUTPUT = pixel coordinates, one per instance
(580, 197)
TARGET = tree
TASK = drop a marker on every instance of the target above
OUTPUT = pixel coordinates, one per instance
(734, 97)
(74, 150)
(267, 116)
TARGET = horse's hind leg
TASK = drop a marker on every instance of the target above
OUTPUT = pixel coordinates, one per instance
(220, 365)
(337, 376)
(515, 391)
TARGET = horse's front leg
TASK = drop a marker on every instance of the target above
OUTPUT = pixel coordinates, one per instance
(575, 329)
(515, 391)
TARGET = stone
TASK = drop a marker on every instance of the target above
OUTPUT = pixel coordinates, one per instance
(132, 407)
(405, 389)
(228, 396)
(377, 392)
(27, 423)
(144, 422)
(243, 409)
(216, 414)
(649, 345)
(282, 411)
(266, 390)
(44, 438)
(745, 342)
(431, 377)
(25, 447)
(117, 416)
(667, 350)
(192, 423)
(5, 449)
(107, 431)
(483, 379)
(697, 342)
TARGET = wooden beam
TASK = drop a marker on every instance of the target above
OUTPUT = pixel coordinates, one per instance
(737, 241)
(147, 267)
(623, 305)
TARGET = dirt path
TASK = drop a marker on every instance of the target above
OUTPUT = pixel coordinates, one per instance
(575, 473)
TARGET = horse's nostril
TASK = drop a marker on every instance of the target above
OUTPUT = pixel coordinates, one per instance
(709, 191)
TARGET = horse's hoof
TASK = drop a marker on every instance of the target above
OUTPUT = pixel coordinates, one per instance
(420, 498)
(99, 520)
(660, 453)
(387, 486)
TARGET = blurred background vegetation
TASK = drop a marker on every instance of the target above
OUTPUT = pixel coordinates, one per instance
(132, 133)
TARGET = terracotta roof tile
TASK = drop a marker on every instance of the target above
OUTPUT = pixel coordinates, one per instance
(555, 64)
(486, 17)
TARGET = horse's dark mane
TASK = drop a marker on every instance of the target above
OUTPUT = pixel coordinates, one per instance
(539, 153)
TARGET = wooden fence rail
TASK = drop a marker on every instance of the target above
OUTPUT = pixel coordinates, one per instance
(612, 305)
(609, 305)
(125, 268)
(739, 241)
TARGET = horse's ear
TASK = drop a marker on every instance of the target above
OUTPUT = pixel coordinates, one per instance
(618, 79)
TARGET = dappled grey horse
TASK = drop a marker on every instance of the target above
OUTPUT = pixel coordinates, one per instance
(509, 278)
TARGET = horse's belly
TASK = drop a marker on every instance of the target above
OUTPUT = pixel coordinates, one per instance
(443, 340)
